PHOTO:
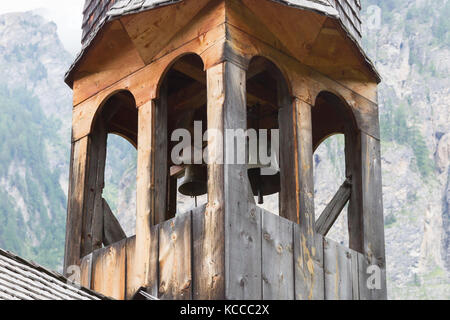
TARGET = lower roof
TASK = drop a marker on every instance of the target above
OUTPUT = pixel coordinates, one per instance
(24, 280)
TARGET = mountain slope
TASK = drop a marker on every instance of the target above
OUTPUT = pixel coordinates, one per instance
(34, 138)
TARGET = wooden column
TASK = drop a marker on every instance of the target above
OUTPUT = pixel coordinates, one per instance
(151, 190)
(221, 270)
(308, 254)
(92, 229)
(76, 199)
(372, 214)
(353, 171)
(84, 232)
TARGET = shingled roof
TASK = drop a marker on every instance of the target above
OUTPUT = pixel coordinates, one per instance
(25, 280)
(98, 13)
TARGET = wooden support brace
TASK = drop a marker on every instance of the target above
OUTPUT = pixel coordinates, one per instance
(112, 230)
(334, 208)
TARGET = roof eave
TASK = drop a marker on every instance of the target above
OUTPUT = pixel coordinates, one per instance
(303, 5)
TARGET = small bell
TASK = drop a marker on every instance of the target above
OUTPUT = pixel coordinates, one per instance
(195, 181)
(264, 179)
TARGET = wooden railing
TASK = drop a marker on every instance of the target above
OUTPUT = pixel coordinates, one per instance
(340, 273)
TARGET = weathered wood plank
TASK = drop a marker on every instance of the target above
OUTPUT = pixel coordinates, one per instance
(355, 273)
(198, 235)
(334, 209)
(353, 170)
(309, 269)
(277, 258)
(288, 203)
(108, 270)
(243, 255)
(86, 271)
(131, 286)
(93, 211)
(160, 170)
(242, 220)
(151, 200)
(76, 199)
(338, 271)
(175, 273)
(210, 256)
(372, 199)
(371, 277)
(112, 230)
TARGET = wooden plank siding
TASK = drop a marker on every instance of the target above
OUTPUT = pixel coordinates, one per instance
(269, 258)
(277, 257)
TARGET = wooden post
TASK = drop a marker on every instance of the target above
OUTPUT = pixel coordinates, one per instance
(308, 273)
(151, 190)
(372, 214)
(215, 255)
(76, 199)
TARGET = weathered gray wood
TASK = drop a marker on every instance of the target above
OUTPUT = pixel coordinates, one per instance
(210, 259)
(101, 140)
(370, 276)
(198, 235)
(243, 255)
(355, 273)
(112, 230)
(175, 272)
(288, 202)
(242, 221)
(309, 271)
(76, 199)
(277, 258)
(93, 211)
(160, 170)
(353, 171)
(334, 209)
(338, 271)
(373, 219)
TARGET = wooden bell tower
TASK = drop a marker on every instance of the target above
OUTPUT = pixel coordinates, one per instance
(148, 65)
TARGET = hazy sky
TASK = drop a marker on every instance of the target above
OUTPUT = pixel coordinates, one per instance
(67, 14)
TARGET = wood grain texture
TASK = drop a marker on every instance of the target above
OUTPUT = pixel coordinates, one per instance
(334, 209)
(242, 221)
(131, 286)
(243, 255)
(277, 258)
(373, 218)
(175, 272)
(112, 230)
(76, 201)
(147, 239)
(309, 267)
(93, 210)
(200, 288)
(108, 270)
(86, 271)
(338, 271)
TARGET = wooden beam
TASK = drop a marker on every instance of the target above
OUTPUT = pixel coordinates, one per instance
(76, 199)
(372, 213)
(334, 209)
(112, 230)
(191, 95)
(93, 211)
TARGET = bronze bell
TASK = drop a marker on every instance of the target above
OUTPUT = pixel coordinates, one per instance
(264, 179)
(195, 181)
